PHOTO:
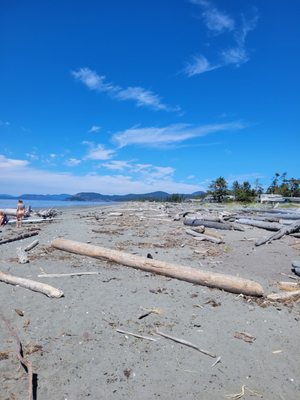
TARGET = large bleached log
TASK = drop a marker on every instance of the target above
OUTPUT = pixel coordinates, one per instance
(48, 290)
(270, 226)
(19, 237)
(295, 227)
(225, 282)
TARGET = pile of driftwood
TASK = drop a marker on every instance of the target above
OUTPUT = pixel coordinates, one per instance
(31, 216)
(282, 222)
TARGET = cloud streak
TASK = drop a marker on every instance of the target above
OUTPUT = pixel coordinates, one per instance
(141, 96)
(218, 22)
(19, 174)
(98, 152)
(171, 134)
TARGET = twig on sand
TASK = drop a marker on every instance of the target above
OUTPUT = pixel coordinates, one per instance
(216, 362)
(185, 343)
(136, 335)
(71, 274)
(19, 352)
(242, 393)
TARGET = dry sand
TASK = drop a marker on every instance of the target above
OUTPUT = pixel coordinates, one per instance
(73, 344)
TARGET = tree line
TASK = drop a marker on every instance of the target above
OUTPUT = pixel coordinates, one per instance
(281, 184)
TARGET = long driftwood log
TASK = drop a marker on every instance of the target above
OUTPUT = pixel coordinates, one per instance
(225, 282)
(19, 237)
(270, 226)
(295, 227)
(48, 290)
(209, 224)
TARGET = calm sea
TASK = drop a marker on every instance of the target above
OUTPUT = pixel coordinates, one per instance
(38, 204)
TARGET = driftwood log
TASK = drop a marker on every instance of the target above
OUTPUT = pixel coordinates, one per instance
(19, 237)
(270, 226)
(294, 295)
(48, 290)
(295, 227)
(225, 282)
(203, 237)
(209, 224)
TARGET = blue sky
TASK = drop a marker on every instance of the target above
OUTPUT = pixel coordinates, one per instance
(135, 96)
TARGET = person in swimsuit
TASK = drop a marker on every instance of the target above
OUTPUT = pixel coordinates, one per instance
(20, 213)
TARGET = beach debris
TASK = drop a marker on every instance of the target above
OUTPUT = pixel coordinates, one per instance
(115, 214)
(19, 237)
(185, 343)
(4, 355)
(294, 295)
(216, 362)
(271, 226)
(156, 311)
(19, 312)
(276, 351)
(26, 364)
(242, 393)
(246, 337)
(194, 221)
(48, 290)
(31, 245)
(49, 213)
(211, 279)
(296, 267)
(213, 303)
(288, 286)
(22, 256)
(201, 236)
(295, 227)
(136, 335)
(65, 275)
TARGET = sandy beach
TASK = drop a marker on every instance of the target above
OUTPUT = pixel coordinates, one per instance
(73, 343)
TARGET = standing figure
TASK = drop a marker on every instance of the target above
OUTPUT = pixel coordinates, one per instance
(20, 213)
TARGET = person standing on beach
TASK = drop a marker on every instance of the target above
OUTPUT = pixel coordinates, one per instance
(20, 213)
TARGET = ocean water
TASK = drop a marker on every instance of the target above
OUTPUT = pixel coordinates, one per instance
(39, 204)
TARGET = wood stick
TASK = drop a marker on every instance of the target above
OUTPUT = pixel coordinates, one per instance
(289, 286)
(31, 245)
(19, 352)
(71, 274)
(135, 335)
(284, 296)
(19, 237)
(212, 279)
(185, 343)
(48, 290)
(295, 227)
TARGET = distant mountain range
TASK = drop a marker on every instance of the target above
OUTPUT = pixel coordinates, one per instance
(90, 196)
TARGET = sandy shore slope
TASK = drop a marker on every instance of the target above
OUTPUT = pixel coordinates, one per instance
(73, 344)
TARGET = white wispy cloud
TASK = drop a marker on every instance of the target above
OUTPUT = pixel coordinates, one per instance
(72, 162)
(12, 164)
(142, 97)
(176, 133)
(94, 129)
(98, 152)
(148, 171)
(199, 65)
(219, 22)
(21, 177)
